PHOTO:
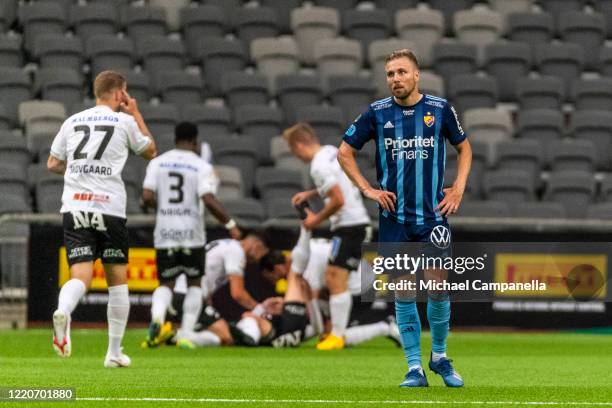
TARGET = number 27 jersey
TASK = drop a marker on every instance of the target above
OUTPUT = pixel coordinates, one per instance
(95, 144)
(180, 178)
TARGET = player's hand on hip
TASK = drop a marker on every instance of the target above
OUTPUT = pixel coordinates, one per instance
(386, 199)
(299, 198)
(452, 199)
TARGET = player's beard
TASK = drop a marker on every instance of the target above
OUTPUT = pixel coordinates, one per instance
(402, 93)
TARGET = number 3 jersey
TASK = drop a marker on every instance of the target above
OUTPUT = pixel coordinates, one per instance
(180, 178)
(95, 144)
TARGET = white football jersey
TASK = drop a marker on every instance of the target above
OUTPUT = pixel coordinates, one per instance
(180, 178)
(326, 173)
(95, 144)
(224, 257)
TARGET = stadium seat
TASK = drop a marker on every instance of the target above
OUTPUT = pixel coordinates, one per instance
(592, 94)
(15, 88)
(137, 84)
(326, 121)
(135, 165)
(11, 55)
(366, 26)
(431, 84)
(94, 20)
(57, 50)
(586, 30)
(393, 6)
(210, 120)
(274, 57)
(13, 181)
(605, 8)
(181, 88)
(488, 126)
(14, 150)
(310, 25)
(530, 28)
(5, 120)
(487, 208)
(40, 19)
(164, 143)
(144, 22)
(543, 125)
(63, 85)
(545, 92)
(81, 106)
(473, 189)
(39, 144)
(244, 89)
(341, 5)
(449, 9)
(14, 203)
(41, 116)
(595, 126)
(337, 56)
(451, 58)
(172, 9)
(351, 93)
(110, 52)
(259, 122)
(283, 9)
(509, 185)
(160, 119)
(539, 210)
(49, 195)
(599, 211)
(572, 155)
(160, 54)
(424, 28)
(605, 193)
(219, 57)
(199, 24)
(508, 7)
(8, 10)
(295, 91)
(246, 211)
(562, 60)
(507, 62)
(242, 154)
(605, 61)
(522, 154)
(574, 189)
(283, 159)
(255, 22)
(479, 27)
(281, 208)
(558, 7)
(230, 7)
(377, 53)
(274, 183)
(479, 164)
(472, 91)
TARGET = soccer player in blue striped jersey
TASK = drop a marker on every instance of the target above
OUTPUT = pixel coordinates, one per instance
(410, 132)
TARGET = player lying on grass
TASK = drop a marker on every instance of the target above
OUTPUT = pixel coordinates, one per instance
(226, 260)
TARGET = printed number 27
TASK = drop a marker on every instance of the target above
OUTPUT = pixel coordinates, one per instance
(108, 133)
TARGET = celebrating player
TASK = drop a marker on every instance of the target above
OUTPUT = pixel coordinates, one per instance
(178, 182)
(410, 130)
(348, 216)
(90, 150)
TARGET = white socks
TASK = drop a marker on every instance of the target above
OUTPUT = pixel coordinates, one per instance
(70, 294)
(301, 252)
(316, 318)
(250, 327)
(117, 312)
(192, 306)
(204, 338)
(437, 356)
(162, 297)
(359, 334)
(340, 310)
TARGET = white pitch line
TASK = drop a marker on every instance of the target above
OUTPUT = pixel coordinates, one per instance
(321, 401)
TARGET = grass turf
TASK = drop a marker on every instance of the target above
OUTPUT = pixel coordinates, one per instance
(560, 367)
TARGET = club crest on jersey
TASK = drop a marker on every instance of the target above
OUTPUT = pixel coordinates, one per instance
(429, 119)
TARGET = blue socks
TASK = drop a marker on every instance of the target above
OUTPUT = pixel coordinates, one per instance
(438, 316)
(409, 324)
(407, 316)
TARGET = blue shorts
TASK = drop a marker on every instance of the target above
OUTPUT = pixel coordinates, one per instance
(437, 232)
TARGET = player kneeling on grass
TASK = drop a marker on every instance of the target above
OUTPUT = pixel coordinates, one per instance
(90, 151)
(178, 182)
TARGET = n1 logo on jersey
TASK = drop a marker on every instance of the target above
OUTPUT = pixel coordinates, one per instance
(83, 219)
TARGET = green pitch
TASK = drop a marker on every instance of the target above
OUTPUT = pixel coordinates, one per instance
(563, 369)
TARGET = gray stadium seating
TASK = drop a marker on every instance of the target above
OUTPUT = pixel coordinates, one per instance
(511, 186)
(605, 8)
(393, 6)
(586, 30)
(295, 91)
(283, 10)
(507, 62)
(424, 27)
(110, 52)
(93, 20)
(274, 183)
(210, 120)
(15, 88)
(479, 27)
(230, 7)
(366, 26)
(337, 56)
(530, 28)
(160, 54)
(605, 61)
(507, 7)
(473, 188)
(539, 210)
(311, 25)
(489, 127)
(281, 208)
(172, 9)
(572, 155)
(10, 51)
(451, 58)
(49, 194)
(605, 193)
(274, 57)
(230, 183)
(63, 85)
(525, 155)
(259, 122)
(558, 7)
(5, 119)
(181, 88)
(39, 19)
(487, 208)
(41, 116)
(432, 84)
(599, 211)
(137, 84)
(255, 22)
(13, 181)
(595, 126)
(13, 204)
(244, 89)
(8, 10)
(326, 121)
(472, 91)
(546, 92)
(246, 211)
(574, 189)
(39, 144)
(449, 10)
(341, 5)
(160, 119)
(543, 125)
(592, 94)
(14, 150)
(146, 21)
(199, 24)
(219, 57)
(242, 155)
(57, 50)
(564, 60)
(351, 93)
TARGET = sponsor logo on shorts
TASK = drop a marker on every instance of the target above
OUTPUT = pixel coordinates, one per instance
(80, 251)
(113, 253)
(440, 236)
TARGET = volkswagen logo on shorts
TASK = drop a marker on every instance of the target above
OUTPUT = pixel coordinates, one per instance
(440, 236)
